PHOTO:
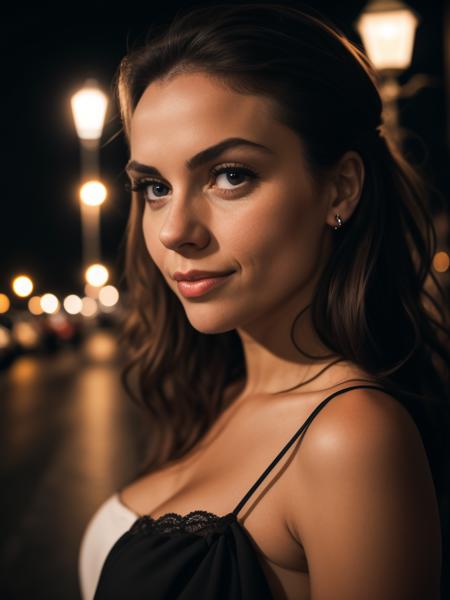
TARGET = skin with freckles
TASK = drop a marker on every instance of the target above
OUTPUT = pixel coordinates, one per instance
(274, 230)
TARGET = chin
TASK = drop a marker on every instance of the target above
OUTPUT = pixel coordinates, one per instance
(208, 324)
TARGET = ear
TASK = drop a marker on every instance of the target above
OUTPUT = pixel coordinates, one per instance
(346, 187)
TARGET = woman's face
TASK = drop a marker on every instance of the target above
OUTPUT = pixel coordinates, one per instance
(266, 222)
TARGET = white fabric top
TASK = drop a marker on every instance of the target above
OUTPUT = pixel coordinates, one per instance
(105, 527)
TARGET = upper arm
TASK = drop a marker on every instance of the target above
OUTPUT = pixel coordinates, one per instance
(364, 505)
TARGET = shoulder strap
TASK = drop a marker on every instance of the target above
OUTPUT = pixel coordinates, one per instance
(294, 437)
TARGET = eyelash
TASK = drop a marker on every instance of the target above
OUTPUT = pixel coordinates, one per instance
(141, 184)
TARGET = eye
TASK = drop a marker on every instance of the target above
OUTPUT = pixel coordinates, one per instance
(232, 173)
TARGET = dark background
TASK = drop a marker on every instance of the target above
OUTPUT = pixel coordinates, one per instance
(45, 60)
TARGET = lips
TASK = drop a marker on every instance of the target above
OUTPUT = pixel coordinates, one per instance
(195, 275)
(199, 287)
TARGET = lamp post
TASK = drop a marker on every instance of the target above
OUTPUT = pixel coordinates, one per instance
(88, 109)
(387, 29)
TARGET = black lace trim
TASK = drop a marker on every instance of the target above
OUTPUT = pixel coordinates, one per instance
(198, 522)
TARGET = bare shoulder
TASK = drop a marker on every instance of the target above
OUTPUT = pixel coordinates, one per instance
(363, 504)
(364, 419)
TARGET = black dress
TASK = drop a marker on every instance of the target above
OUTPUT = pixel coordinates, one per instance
(198, 556)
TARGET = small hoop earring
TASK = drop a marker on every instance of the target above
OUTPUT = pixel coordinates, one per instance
(339, 220)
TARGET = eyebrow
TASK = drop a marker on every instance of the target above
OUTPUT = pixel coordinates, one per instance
(201, 157)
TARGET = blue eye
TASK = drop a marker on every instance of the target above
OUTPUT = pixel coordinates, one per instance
(232, 172)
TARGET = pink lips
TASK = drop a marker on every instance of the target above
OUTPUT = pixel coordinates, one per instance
(192, 289)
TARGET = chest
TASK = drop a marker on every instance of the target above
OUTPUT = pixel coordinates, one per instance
(220, 473)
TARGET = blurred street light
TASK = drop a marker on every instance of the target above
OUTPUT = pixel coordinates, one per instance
(72, 304)
(108, 295)
(22, 286)
(97, 275)
(49, 303)
(387, 29)
(4, 303)
(89, 108)
(93, 193)
(89, 307)
(34, 305)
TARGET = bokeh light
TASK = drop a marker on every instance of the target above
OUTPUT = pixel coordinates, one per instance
(34, 305)
(97, 275)
(72, 304)
(441, 262)
(4, 303)
(89, 308)
(22, 286)
(49, 303)
(108, 295)
(25, 334)
(93, 193)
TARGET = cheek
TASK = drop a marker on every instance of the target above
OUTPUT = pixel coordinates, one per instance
(151, 240)
(276, 230)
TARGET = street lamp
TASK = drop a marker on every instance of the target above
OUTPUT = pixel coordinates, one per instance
(88, 109)
(387, 29)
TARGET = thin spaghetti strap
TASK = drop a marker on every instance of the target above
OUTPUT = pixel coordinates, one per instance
(294, 437)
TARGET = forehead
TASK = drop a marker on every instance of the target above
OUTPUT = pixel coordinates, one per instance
(194, 105)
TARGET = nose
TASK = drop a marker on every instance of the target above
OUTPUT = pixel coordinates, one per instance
(185, 223)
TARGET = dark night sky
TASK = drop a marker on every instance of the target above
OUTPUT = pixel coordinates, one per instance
(45, 62)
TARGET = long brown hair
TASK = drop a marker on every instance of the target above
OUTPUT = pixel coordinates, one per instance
(373, 306)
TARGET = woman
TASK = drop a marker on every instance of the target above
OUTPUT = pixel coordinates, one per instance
(257, 154)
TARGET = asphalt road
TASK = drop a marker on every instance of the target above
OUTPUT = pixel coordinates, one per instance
(69, 437)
